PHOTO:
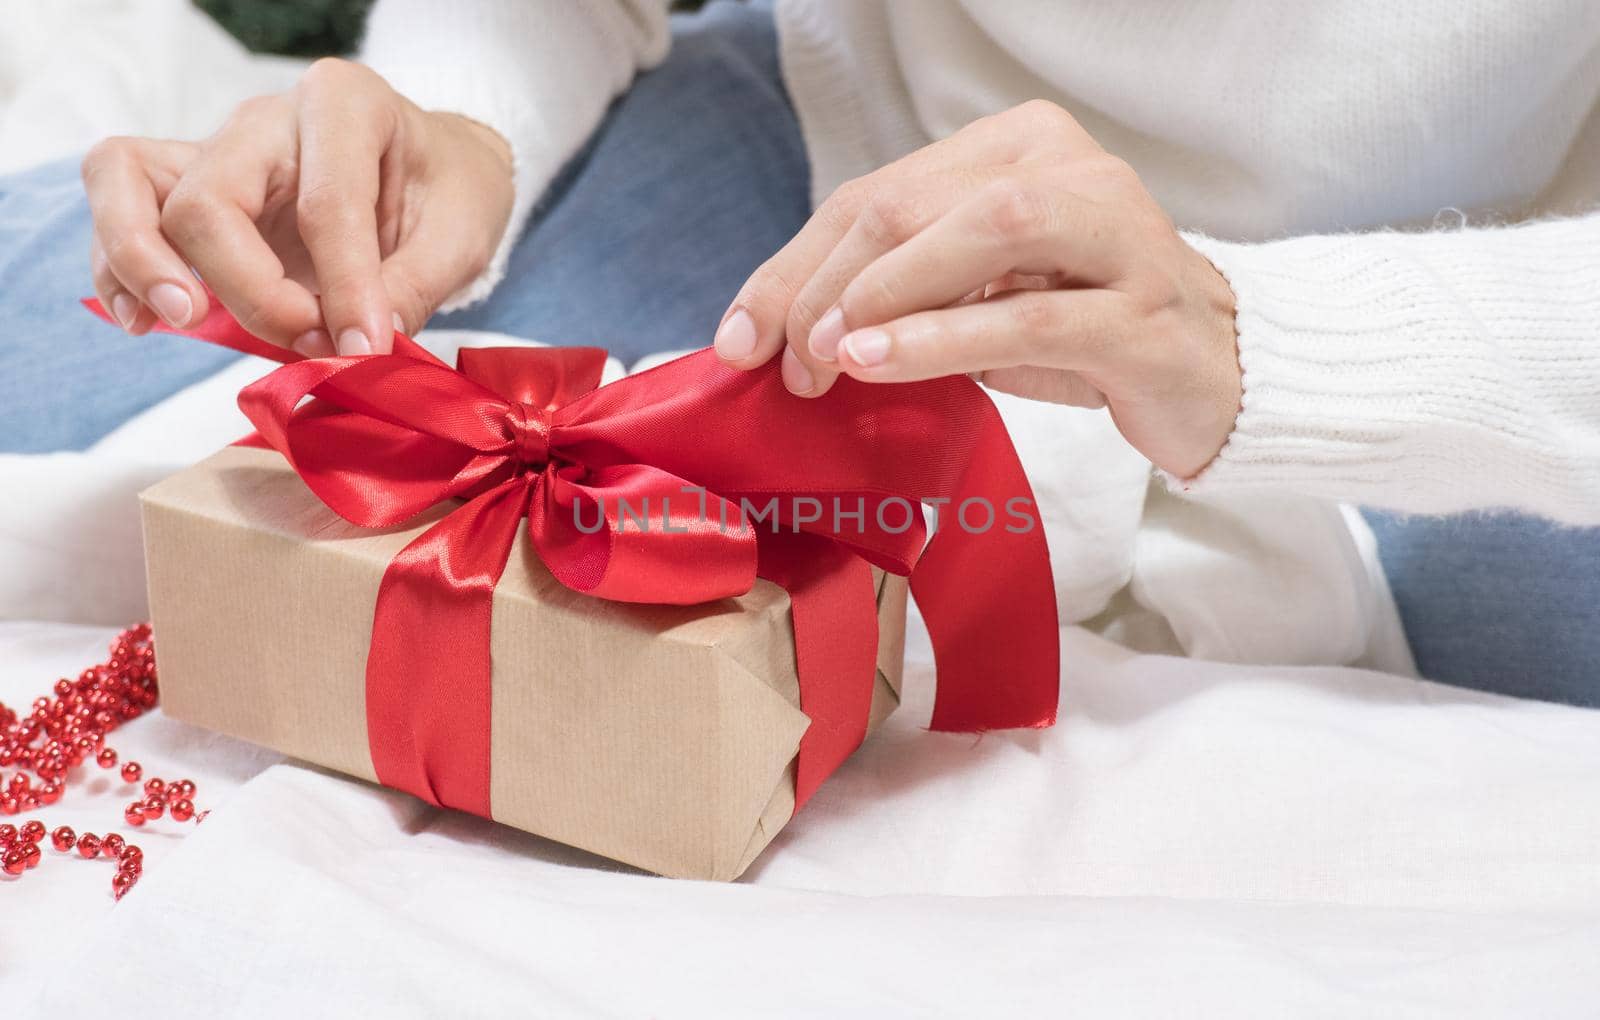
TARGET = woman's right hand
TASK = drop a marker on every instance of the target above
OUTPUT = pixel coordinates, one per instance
(323, 218)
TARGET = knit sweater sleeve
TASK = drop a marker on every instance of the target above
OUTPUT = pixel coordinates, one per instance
(540, 72)
(1422, 372)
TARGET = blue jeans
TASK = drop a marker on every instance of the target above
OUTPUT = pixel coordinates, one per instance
(696, 176)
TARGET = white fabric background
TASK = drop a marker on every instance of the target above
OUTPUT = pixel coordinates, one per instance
(1195, 838)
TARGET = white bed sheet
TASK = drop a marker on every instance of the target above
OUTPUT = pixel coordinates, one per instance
(1195, 839)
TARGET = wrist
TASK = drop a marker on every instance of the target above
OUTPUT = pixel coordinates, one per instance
(484, 135)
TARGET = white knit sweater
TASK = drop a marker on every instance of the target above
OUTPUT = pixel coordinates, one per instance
(1400, 194)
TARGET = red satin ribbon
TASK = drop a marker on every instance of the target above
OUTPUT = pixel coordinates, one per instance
(524, 434)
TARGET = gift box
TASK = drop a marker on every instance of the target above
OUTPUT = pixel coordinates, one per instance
(660, 736)
(648, 619)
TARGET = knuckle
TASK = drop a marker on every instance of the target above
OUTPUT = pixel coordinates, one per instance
(123, 251)
(842, 206)
(256, 317)
(330, 73)
(107, 152)
(1033, 312)
(188, 213)
(1015, 213)
(886, 222)
(803, 314)
(1041, 114)
(768, 287)
(871, 296)
(319, 201)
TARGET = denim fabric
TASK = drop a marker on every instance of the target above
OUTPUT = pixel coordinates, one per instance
(697, 175)
(1498, 602)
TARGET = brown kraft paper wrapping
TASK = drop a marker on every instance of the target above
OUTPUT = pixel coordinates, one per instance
(660, 736)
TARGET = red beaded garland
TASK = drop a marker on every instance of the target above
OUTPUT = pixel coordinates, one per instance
(63, 732)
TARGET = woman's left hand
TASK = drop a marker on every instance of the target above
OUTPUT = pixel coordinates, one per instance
(1019, 251)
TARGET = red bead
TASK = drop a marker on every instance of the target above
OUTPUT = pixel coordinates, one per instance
(67, 727)
(182, 810)
(121, 882)
(133, 814)
(185, 788)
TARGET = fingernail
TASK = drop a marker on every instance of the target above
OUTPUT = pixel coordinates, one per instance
(736, 339)
(353, 341)
(867, 346)
(399, 323)
(796, 376)
(125, 308)
(313, 343)
(826, 334)
(172, 303)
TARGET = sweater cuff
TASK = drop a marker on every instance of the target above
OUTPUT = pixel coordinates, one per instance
(1366, 377)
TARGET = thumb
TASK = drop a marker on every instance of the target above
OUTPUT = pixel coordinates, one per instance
(414, 286)
(438, 258)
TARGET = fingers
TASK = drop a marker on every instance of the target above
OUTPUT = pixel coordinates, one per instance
(128, 310)
(1016, 226)
(137, 273)
(343, 135)
(1061, 329)
(882, 224)
(790, 296)
(210, 219)
(755, 325)
(793, 300)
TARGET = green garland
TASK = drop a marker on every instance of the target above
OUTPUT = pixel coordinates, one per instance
(301, 28)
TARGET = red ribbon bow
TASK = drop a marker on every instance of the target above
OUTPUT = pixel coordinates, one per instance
(636, 492)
